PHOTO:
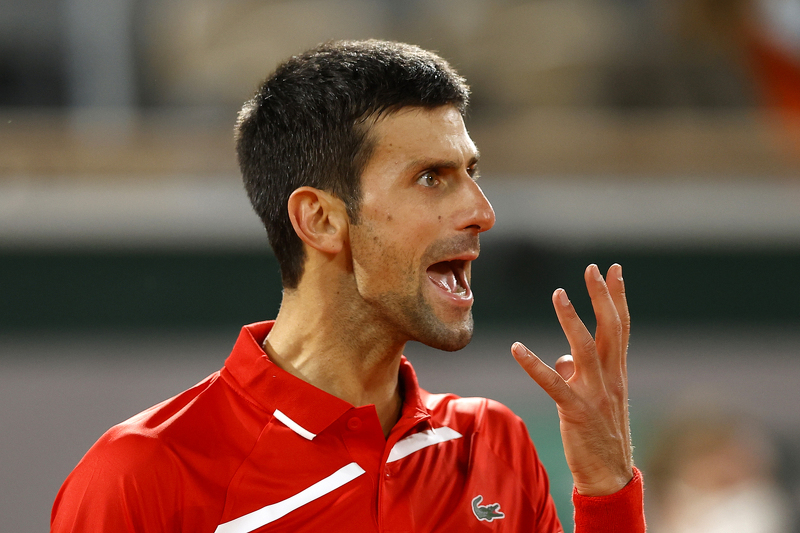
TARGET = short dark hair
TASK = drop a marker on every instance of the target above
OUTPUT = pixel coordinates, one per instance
(308, 125)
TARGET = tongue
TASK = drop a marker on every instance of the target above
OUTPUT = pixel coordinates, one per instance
(442, 274)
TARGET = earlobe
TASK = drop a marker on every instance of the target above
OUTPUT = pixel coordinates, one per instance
(319, 219)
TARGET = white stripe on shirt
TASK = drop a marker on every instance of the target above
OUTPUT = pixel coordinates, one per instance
(421, 440)
(270, 513)
(294, 426)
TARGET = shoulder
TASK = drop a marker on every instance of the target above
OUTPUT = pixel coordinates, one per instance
(211, 415)
(490, 426)
(139, 453)
(475, 415)
(147, 441)
(124, 477)
(500, 450)
(209, 420)
(180, 450)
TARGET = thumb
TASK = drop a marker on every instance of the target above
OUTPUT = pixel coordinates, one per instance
(565, 366)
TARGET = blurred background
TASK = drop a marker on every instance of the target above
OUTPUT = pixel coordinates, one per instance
(661, 134)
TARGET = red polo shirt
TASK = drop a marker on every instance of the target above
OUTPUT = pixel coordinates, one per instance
(253, 448)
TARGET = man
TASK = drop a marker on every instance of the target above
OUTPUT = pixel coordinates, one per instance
(356, 158)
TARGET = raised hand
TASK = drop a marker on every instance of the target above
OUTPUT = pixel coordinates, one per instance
(590, 386)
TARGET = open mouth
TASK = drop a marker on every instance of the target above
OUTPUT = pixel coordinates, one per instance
(451, 277)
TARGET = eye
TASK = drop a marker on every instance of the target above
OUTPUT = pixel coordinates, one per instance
(473, 172)
(428, 179)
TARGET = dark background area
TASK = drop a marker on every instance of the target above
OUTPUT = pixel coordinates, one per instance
(513, 281)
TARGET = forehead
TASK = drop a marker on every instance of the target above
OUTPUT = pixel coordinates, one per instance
(415, 134)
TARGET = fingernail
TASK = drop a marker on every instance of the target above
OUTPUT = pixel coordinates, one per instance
(619, 271)
(562, 297)
(596, 272)
(519, 350)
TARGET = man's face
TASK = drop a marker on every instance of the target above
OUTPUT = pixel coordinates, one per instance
(419, 220)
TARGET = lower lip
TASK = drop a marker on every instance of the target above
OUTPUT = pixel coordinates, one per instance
(458, 300)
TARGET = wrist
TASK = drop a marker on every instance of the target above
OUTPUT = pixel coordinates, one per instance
(604, 485)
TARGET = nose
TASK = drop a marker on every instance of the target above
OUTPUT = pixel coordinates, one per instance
(480, 216)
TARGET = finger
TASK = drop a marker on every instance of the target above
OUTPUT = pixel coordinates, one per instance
(609, 329)
(547, 378)
(565, 367)
(616, 287)
(581, 343)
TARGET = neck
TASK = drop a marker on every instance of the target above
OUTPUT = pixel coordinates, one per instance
(337, 351)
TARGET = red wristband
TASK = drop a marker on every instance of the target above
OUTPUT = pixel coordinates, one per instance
(621, 512)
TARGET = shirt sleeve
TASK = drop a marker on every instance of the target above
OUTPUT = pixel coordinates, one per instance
(121, 485)
(621, 512)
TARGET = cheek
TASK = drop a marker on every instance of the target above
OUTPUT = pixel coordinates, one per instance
(384, 257)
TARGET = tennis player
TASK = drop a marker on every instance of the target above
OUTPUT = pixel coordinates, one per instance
(356, 158)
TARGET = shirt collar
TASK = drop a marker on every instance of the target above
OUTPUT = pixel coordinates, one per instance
(273, 388)
(414, 409)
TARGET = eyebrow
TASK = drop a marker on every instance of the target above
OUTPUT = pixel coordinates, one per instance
(438, 163)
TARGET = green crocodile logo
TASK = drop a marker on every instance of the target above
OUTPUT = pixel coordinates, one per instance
(486, 512)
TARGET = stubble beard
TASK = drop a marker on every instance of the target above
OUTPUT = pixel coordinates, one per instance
(411, 315)
(434, 333)
(420, 320)
(431, 330)
(421, 324)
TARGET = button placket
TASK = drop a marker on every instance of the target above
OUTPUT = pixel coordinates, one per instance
(362, 435)
(354, 424)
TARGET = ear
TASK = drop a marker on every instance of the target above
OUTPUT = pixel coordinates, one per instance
(319, 219)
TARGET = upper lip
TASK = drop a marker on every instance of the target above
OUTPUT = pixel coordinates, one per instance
(466, 257)
(463, 248)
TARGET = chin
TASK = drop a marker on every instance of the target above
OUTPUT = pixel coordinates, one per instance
(441, 327)
(442, 336)
(452, 344)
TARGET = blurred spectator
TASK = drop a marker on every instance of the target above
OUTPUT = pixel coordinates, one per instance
(763, 36)
(214, 53)
(714, 472)
(775, 49)
(775, 53)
